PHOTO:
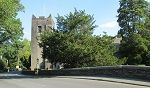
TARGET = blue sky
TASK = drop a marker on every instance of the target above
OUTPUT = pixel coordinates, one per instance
(104, 11)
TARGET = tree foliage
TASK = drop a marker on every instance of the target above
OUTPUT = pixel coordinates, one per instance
(73, 44)
(133, 19)
(25, 54)
(10, 25)
(11, 30)
(76, 22)
(17, 53)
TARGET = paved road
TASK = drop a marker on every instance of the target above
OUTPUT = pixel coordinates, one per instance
(12, 81)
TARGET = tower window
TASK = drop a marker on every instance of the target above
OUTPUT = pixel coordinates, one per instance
(39, 29)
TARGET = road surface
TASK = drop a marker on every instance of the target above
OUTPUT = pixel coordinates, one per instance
(19, 81)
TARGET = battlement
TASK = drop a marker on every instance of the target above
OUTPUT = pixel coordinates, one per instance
(41, 17)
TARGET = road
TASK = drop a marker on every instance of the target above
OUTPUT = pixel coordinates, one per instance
(19, 81)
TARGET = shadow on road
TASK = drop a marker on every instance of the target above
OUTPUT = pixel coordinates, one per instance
(131, 81)
(18, 75)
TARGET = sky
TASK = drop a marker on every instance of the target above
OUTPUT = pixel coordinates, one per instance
(104, 12)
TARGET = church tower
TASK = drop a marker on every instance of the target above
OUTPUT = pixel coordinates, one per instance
(38, 26)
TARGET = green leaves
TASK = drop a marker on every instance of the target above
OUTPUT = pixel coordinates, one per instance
(17, 50)
(132, 14)
(73, 44)
(11, 30)
(10, 26)
(24, 53)
(9, 9)
(76, 22)
(133, 20)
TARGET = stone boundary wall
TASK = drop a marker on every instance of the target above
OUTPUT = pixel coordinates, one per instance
(140, 72)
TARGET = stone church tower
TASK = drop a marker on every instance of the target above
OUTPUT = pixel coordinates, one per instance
(38, 26)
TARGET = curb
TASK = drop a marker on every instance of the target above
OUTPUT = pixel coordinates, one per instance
(101, 79)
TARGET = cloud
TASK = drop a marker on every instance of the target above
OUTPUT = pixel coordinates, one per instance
(109, 25)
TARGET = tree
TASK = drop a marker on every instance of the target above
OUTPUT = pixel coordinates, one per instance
(11, 52)
(76, 22)
(10, 25)
(25, 53)
(73, 44)
(132, 18)
(18, 53)
(146, 34)
(78, 50)
(11, 29)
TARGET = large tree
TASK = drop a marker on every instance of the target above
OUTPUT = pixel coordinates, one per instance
(73, 44)
(11, 29)
(132, 19)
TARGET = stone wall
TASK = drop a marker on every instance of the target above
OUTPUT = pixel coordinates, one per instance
(140, 72)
